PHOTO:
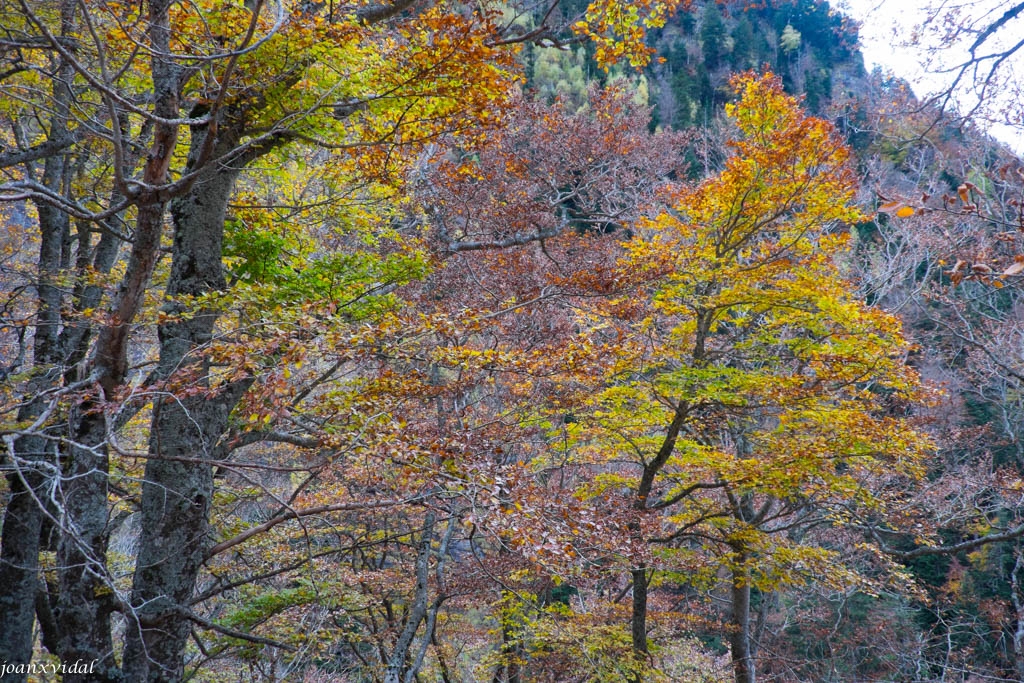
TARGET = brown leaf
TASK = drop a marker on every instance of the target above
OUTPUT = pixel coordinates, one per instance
(1015, 269)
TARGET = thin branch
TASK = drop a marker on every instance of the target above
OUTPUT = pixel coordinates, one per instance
(928, 551)
(36, 152)
(298, 514)
(1008, 15)
(232, 633)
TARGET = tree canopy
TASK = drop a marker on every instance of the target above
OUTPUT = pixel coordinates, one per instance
(396, 342)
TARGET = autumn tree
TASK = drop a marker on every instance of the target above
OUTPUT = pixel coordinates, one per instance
(235, 108)
(118, 118)
(340, 356)
(758, 400)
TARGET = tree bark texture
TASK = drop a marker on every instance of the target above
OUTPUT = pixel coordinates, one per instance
(185, 429)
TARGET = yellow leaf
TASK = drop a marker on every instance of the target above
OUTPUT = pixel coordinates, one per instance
(905, 212)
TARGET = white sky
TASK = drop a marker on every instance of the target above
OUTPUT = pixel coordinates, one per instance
(884, 24)
(887, 27)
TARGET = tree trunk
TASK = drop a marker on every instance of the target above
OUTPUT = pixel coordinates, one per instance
(638, 623)
(34, 458)
(185, 429)
(86, 598)
(511, 650)
(418, 610)
(19, 556)
(638, 620)
(430, 628)
(1017, 594)
(739, 636)
(35, 466)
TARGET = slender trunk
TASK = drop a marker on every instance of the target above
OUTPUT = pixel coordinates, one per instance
(33, 464)
(32, 474)
(418, 609)
(739, 636)
(511, 642)
(86, 598)
(1017, 594)
(638, 623)
(49, 631)
(86, 591)
(444, 670)
(511, 650)
(638, 619)
(430, 629)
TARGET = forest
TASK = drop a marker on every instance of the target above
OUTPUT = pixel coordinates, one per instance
(508, 341)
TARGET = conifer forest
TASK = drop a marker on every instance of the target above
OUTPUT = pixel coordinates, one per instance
(509, 341)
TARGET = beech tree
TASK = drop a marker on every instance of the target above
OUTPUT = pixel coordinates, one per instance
(118, 117)
(338, 355)
(758, 400)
